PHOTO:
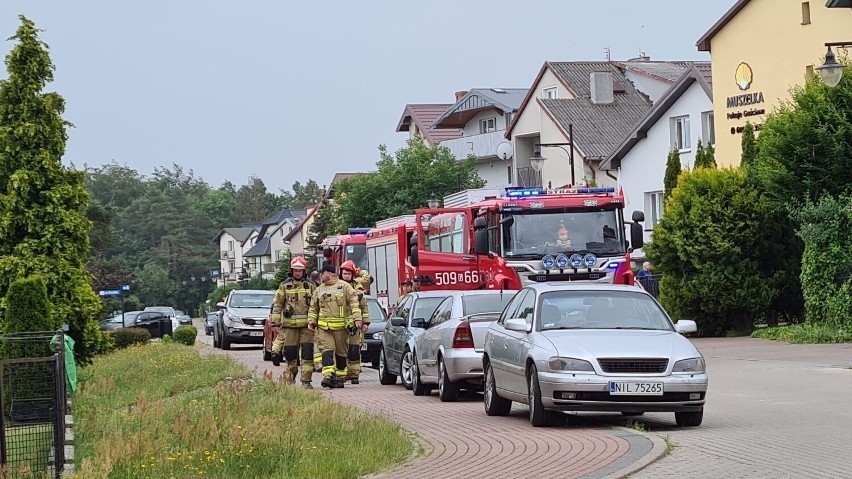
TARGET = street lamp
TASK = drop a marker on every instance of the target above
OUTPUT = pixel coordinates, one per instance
(433, 201)
(537, 161)
(831, 71)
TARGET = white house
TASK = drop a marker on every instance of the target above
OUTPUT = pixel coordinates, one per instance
(261, 257)
(482, 115)
(233, 244)
(681, 117)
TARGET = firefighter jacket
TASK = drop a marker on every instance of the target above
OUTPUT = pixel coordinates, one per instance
(362, 301)
(291, 302)
(334, 306)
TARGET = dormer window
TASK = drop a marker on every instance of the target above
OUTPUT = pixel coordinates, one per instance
(549, 93)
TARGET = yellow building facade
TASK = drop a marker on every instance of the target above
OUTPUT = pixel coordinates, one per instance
(759, 50)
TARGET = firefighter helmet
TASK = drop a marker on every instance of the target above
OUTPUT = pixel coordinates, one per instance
(298, 263)
(349, 266)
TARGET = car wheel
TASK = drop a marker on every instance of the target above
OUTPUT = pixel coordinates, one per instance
(215, 337)
(417, 386)
(494, 404)
(224, 343)
(385, 377)
(539, 417)
(689, 419)
(375, 361)
(448, 391)
(406, 366)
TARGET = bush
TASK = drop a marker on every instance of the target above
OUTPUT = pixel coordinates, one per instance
(186, 334)
(27, 307)
(125, 337)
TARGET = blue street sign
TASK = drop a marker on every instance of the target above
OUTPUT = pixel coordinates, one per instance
(125, 287)
(214, 272)
(110, 292)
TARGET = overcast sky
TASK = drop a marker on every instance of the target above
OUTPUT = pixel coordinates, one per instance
(292, 90)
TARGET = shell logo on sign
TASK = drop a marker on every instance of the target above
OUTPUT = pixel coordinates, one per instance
(743, 76)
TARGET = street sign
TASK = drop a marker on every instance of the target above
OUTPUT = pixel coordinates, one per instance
(214, 272)
(110, 292)
(125, 287)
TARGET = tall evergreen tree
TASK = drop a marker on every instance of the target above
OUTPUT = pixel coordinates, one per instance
(749, 144)
(671, 174)
(43, 225)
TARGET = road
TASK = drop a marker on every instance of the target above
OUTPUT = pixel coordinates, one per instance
(774, 411)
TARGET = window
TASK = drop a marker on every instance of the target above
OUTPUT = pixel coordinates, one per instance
(447, 234)
(708, 128)
(509, 177)
(443, 312)
(806, 13)
(485, 303)
(809, 72)
(231, 266)
(549, 93)
(511, 310)
(487, 125)
(653, 209)
(230, 245)
(526, 309)
(680, 133)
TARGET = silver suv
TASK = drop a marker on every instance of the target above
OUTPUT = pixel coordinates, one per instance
(241, 318)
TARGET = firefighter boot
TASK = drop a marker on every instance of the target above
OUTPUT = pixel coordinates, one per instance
(328, 382)
(307, 385)
(354, 380)
(276, 359)
(338, 383)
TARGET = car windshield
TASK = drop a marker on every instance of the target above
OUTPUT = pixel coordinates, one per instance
(424, 307)
(160, 309)
(485, 303)
(376, 311)
(358, 254)
(601, 310)
(128, 317)
(248, 300)
(553, 232)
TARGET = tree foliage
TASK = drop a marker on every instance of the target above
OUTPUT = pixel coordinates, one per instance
(672, 173)
(704, 157)
(27, 307)
(402, 183)
(749, 146)
(302, 196)
(43, 225)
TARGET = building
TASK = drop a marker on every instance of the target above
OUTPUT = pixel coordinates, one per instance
(417, 120)
(262, 257)
(233, 244)
(482, 115)
(759, 50)
(681, 118)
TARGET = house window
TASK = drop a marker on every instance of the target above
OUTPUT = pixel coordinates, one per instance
(230, 245)
(809, 72)
(509, 170)
(653, 209)
(549, 93)
(231, 266)
(806, 13)
(487, 125)
(680, 133)
(708, 128)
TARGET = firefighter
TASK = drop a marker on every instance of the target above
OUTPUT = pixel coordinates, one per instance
(350, 273)
(290, 314)
(334, 310)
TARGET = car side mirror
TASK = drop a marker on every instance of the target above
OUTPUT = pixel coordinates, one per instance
(397, 321)
(418, 323)
(636, 235)
(220, 304)
(685, 326)
(518, 324)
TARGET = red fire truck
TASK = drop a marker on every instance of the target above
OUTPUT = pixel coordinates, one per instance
(340, 248)
(387, 253)
(527, 235)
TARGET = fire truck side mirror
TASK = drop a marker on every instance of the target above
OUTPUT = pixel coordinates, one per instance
(413, 258)
(479, 224)
(638, 216)
(413, 240)
(636, 236)
(480, 242)
(326, 252)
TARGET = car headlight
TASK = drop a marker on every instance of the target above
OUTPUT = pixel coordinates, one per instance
(378, 335)
(570, 365)
(233, 319)
(689, 366)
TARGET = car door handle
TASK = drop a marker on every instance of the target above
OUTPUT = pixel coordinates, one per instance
(469, 258)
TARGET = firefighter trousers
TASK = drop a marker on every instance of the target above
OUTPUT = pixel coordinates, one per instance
(333, 345)
(298, 346)
(354, 354)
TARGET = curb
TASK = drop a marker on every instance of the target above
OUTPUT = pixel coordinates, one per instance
(420, 449)
(657, 452)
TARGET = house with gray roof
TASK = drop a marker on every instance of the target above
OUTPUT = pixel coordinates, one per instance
(482, 115)
(233, 244)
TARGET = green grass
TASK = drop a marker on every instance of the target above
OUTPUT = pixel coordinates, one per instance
(28, 451)
(162, 411)
(806, 333)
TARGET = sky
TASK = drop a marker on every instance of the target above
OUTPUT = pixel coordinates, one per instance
(290, 91)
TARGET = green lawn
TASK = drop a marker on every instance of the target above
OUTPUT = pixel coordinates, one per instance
(28, 451)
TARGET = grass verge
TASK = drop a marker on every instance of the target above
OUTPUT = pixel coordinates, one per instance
(28, 450)
(161, 410)
(806, 333)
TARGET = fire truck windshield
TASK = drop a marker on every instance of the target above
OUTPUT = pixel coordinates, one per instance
(358, 254)
(533, 235)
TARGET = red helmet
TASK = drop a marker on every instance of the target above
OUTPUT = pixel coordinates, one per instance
(349, 266)
(298, 263)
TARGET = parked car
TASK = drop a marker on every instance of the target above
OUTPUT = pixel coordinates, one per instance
(244, 314)
(184, 319)
(125, 320)
(407, 321)
(170, 312)
(449, 352)
(209, 321)
(591, 347)
(373, 336)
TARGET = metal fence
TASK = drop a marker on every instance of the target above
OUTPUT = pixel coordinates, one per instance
(651, 284)
(33, 403)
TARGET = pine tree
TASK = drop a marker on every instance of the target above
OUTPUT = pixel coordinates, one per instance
(672, 173)
(710, 156)
(43, 224)
(700, 156)
(749, 144)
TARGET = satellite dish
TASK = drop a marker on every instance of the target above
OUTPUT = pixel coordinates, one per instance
(504, 150)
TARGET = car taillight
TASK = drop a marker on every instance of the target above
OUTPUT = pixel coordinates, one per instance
(463, 337)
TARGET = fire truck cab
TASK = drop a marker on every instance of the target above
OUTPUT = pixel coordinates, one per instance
(340, 248)
(387, 253)
(526, 235)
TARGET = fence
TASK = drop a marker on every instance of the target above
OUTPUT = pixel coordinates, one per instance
(651, 283)
(33, 405)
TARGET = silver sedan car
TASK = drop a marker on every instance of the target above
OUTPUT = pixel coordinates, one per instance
(449, 351)
(591, 347)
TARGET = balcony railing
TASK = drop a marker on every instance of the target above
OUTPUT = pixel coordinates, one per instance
(529, 178)
(481, 146)
(225, 254)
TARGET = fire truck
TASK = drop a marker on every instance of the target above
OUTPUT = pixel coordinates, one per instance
(387, 253)
(340, 248)
(526, 235)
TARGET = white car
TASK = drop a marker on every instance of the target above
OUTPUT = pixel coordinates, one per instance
(591, 347)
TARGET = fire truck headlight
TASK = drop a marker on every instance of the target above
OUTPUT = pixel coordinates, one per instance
(590, 260)
(562, 261)
(548, 262)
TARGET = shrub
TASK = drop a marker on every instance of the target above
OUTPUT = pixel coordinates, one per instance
(27, 307)
(186, 334)
(125, 337)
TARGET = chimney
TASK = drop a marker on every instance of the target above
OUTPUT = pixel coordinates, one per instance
(601, 88)
(460, 94)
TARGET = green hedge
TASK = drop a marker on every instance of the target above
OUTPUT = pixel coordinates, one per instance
(186, 334)
(125, 337)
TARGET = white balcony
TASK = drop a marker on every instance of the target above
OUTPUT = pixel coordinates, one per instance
(483, 145)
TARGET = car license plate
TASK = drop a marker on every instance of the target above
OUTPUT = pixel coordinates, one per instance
(256, 333)
(364, 347)
(635, 388)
